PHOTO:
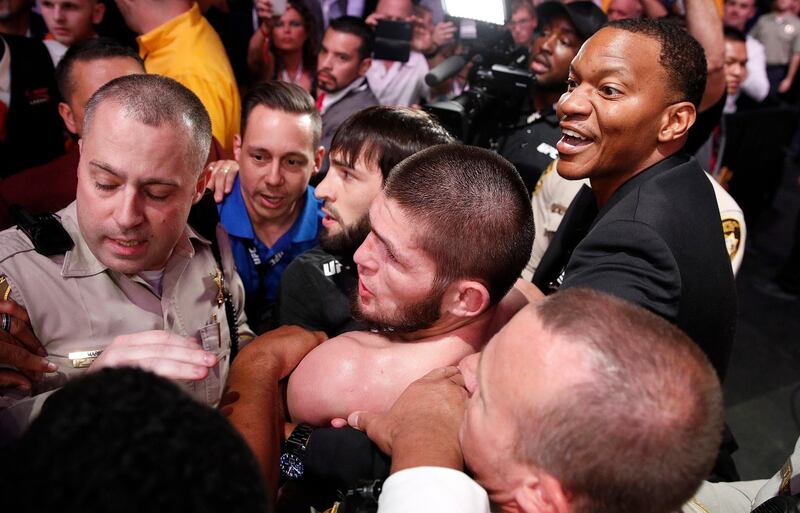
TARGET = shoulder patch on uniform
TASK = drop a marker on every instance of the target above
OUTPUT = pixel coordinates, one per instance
(732, 231)
(5, 288)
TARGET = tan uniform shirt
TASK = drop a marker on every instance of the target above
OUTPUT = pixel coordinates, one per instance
(744, 496)
(553, 194)
(76, 304)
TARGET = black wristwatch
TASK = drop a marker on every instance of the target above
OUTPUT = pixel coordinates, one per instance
(293, 455)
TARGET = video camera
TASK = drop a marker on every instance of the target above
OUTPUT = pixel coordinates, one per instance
(499, 81)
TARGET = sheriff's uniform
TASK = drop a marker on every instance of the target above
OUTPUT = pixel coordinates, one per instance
(553, 194)
(77, 306)
(744, 496)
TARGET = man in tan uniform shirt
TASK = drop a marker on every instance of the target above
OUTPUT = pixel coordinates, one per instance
(135, 266)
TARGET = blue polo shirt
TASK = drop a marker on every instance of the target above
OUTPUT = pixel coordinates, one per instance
(248, 249)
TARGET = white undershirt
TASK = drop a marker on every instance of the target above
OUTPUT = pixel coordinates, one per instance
(154, 279)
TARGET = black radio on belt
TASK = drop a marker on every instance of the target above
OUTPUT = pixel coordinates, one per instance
(45, 231)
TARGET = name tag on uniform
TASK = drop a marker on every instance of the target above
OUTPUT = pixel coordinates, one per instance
(82, 359)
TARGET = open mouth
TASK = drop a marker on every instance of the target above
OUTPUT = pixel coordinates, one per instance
(271, 201)
(539, 66)
(572, 141)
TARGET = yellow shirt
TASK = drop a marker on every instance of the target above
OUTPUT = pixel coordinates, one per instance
(187, 49)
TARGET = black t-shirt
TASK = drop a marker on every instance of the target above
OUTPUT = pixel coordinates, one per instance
(315, 291)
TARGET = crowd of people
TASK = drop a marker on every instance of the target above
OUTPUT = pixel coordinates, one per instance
(256, 202)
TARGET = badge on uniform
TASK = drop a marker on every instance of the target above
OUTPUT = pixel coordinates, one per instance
(5, 288)
(732, 231)
(219, 281)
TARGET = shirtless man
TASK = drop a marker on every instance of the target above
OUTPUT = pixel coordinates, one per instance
(450, 233)
(447, 242)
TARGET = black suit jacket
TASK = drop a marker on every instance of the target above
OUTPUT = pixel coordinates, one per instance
(34, 131)
(657, 243)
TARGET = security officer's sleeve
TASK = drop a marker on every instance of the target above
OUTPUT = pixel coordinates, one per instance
(628, 259)
(724, 497)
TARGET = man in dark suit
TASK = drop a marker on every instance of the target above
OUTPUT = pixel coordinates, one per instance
(344, 58)
(30, 129)
(648, 229)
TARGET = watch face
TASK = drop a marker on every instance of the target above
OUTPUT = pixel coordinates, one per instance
(291, 466)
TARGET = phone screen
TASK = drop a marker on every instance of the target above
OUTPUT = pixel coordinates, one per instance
(278, 7)
(392, 41)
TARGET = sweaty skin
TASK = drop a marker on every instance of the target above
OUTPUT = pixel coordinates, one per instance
(366, 371)
(362, 370)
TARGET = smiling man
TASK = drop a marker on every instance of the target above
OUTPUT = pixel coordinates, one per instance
(271, 213)
(648, 228)
(134, 282)
(531, 144)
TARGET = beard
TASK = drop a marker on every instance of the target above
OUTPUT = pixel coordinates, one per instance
(347, 241)
(409, 318)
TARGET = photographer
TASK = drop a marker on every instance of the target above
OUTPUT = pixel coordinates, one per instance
(530, 144)
(396, 83)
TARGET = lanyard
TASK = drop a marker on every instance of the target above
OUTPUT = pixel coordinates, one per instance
(261, 266)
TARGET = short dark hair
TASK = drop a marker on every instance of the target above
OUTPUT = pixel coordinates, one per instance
(155, 100)
(734, 34)
(473, 212)
(386, 135)
(359, 28)
(682, 57)
(125, 440)
(643, 430)
(285, 97)
(92, 49)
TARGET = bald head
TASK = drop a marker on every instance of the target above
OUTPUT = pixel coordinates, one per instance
(155, 101)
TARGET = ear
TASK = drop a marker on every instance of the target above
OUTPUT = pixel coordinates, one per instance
(237, 147)
(65, 111)
(467, 298)
(542, 493)
(200, 186)
(98, 11)
(676, 121)
(318, 155)
(364, 66)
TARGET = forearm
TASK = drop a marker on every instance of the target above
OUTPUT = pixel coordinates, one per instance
(260, 61)
(256, 412)
(428, 451)
(705, 25)
(794, 63)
